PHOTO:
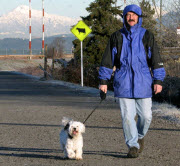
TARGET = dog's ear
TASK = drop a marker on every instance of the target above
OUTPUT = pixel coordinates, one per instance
(65, 121)
(66, 127)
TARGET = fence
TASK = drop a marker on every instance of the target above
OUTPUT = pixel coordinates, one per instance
(26, 51)
(19, 51)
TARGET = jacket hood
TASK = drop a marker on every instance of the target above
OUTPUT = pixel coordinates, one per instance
(133, 8)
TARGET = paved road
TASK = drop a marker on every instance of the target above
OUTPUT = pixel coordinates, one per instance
(30, 119)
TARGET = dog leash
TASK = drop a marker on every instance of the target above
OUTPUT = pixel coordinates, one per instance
(103, 97)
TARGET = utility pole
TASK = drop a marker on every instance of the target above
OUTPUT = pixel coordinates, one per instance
(42, 27)
(160, 19)
(115, 7)
(115, 3)
(45, 62)
(124, 3)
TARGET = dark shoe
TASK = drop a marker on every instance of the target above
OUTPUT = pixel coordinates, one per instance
(141, 144)
(133, 152)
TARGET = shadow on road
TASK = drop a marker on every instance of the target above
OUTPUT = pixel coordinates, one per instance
(30, 152)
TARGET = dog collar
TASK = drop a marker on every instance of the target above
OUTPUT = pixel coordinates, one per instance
(70, 136)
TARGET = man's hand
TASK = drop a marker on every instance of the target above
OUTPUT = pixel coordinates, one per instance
(103, 88)
(103, 91)
(157, 88)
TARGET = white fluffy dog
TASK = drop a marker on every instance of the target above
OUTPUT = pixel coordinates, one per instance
(71, 139)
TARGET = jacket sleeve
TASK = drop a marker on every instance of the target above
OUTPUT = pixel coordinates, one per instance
(156, 62)
(107, 63)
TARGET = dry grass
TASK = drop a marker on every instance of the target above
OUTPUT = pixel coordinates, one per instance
(23, 65)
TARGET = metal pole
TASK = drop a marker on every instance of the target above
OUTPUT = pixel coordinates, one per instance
(45, 63)
(30, 51)
(53, 55)
(42, 27)
(81, 63)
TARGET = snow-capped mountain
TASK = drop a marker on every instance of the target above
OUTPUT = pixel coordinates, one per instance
(15, 24)
(157, 12)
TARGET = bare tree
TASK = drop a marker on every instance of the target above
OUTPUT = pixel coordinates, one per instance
(58, 45)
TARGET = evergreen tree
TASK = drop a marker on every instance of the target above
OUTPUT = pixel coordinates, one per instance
(148, 21)
(103, 19)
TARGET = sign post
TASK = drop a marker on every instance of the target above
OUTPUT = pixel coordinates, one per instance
(81, 63)
(81, 31)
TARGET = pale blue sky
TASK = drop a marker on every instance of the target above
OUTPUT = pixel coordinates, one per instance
(70, 8)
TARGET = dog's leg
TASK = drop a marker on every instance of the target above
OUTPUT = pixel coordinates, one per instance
(79, 154)
(70, 154)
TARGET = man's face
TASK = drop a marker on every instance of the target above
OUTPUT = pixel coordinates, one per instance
(131, 18)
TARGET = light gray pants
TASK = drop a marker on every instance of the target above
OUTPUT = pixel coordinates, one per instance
(135, 130)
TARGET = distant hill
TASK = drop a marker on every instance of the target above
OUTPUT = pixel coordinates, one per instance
(23, 44)
(171, 19)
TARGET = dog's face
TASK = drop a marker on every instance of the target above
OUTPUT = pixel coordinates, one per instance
(75, 128)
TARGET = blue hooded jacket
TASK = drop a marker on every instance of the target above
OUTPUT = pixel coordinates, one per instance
(135, 54)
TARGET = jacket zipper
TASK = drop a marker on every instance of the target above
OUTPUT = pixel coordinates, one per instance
(132, 71)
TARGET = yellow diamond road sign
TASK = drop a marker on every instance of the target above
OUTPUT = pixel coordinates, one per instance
(81, 30)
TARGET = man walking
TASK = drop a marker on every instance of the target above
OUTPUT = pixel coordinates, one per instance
(139, 72)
